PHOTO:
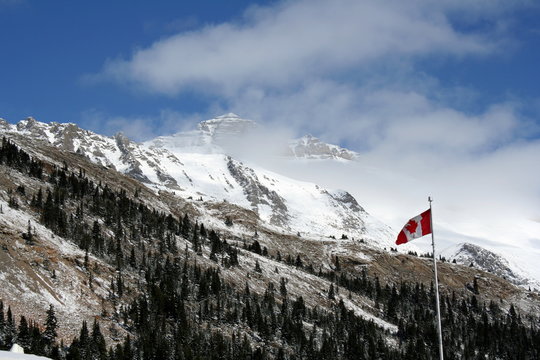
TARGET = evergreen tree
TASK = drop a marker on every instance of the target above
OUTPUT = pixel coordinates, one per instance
(298, 262)
(257, 266)
(51, 324)
(331, 293)
(283, 287)
(23, 334)
(99, 348)
(10, 329)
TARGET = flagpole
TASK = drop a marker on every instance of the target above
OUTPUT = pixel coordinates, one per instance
(439, 328)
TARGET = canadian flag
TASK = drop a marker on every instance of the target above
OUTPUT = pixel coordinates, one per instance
(416, 227)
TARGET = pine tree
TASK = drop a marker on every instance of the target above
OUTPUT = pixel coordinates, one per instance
(202, 231)
(23, 335)
(331, 293)
(10, 330)
(186, 226)
(38, 200)
(97, 241)
(283, 287)
(195, 240)
(49, 335)
(29, 237)
(99, 348)
(82, 346)
(257, 266)
(132, 258)
(298, 262)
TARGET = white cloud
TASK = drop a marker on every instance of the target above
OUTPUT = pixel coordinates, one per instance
(283, 45)
(139, 128)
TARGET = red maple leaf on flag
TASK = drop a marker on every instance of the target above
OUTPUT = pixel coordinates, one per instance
(416, 227)
(411, 226)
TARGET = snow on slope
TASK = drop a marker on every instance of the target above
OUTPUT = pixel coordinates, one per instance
(194, 165)
(279, 201)
(26, 273)
(6, 355)
(469, 254)
(312, 148)
(117, 152)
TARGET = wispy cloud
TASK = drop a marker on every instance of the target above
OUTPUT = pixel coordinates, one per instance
(285, 44)
(139, 128)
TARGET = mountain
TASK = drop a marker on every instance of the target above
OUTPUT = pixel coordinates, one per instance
(194, 165)
(210, 137)
(161, 252)
(312, 148)
(475, 256)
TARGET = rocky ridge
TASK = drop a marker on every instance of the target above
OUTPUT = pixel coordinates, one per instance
(311, 147)
(475, 256)
(194, 165)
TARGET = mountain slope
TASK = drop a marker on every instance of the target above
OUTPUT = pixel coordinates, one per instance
(194, 165)
(182, 281)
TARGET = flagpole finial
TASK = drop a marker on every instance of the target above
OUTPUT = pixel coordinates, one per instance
(429, 199)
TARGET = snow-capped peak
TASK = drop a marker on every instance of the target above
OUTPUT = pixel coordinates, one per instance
(194, 165)
(209, 137)
(226, 125)
(218, 134)
(311, 147)
(481, 258)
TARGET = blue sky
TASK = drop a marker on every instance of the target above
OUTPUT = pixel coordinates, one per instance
(49, 47)
(439, 97)
(54, 53)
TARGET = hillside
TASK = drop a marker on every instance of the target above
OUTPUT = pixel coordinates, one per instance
(158, 272)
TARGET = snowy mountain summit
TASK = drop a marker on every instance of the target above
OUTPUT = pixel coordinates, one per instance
(195, 165)
(478, 257)
(223, 132)
(211, 136)
(311, 147)
(226, 125)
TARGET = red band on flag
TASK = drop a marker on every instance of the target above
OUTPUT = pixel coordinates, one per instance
(416, 227)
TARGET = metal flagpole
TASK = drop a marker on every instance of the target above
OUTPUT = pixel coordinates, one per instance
(441, 356)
